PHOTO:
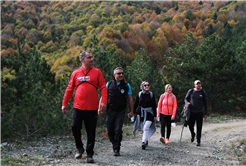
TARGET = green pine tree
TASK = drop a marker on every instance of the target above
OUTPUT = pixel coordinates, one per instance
(220, 69)
(129, 3)
(210, 30)
(238, 34)
(142, 69)
(177, 8)
(157, 10)
(227, 32)
(200, 3)
(215, 16)
(29, 97)
(189, 15)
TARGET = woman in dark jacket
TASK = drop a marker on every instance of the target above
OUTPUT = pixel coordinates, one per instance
(145, 108)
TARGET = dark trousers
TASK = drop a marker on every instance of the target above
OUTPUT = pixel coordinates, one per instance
(115, 121)
(165, 120)
(90, 122)
(198, 118)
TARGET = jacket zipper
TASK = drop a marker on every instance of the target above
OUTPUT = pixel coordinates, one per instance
(167, 104)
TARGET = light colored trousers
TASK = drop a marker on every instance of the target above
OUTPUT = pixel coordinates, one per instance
(146, 131)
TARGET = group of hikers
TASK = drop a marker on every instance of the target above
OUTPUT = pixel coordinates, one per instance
(115, 93)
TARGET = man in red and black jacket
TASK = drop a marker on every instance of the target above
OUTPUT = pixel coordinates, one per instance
(86, 80)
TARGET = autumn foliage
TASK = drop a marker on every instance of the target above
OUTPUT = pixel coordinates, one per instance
(156, 26)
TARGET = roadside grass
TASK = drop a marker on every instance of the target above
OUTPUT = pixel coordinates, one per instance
(239, 147)
(127, 130)
(19, 161)
(223, 128)
(217, 118)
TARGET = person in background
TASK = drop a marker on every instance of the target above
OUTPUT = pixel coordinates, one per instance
(167, 107)
(196, 99)
(86, 80)
(118, 93)
(145, 107)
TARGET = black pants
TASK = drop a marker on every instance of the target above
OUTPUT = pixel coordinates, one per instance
(165, 120)
(198, 117)
(90, 121)
(115, 121)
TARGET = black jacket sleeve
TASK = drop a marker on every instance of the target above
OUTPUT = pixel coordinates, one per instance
(154, 105)
(187, 97)
(205, 102)
(136, 103)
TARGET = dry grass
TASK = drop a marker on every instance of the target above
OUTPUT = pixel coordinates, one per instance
(239, 147)
(222, 128)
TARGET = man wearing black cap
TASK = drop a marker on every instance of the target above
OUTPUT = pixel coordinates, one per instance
(196, 98)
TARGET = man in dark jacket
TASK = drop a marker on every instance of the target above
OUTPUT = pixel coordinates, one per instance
(196, 99)
(118, 93)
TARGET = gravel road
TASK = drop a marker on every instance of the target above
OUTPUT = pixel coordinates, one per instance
(216, 148)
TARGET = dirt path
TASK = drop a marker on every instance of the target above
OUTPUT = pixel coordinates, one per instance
(211, 152)
(215, 148)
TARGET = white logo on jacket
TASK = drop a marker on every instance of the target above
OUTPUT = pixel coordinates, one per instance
(85, 78)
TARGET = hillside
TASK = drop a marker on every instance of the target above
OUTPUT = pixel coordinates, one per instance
(61, 29)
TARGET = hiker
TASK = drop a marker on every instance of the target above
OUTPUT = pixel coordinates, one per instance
(196, 99)
(167, 107)
(118, 93)
(145, 108)
(86, 80)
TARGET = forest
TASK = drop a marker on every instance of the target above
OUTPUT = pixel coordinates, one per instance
(160, 41)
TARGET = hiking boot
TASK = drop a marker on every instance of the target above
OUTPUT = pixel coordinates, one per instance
(116, 152)
(198, 144)
(162, 139)
(79, 153)
(167, 141)
(90, 158)
(143, 145)
(192, 137)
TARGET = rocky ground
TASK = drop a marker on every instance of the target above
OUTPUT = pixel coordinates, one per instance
(223, 143)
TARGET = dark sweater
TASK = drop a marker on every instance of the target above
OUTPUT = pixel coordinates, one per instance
(197, 100)
(146, 101)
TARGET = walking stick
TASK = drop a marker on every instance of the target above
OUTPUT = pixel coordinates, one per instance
(183, 124)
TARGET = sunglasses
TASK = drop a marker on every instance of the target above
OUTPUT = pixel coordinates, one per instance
(146, 85)
(119, 73)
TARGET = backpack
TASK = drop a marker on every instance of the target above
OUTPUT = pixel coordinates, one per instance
(177, 116)
(138, 109)
(151, 94)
